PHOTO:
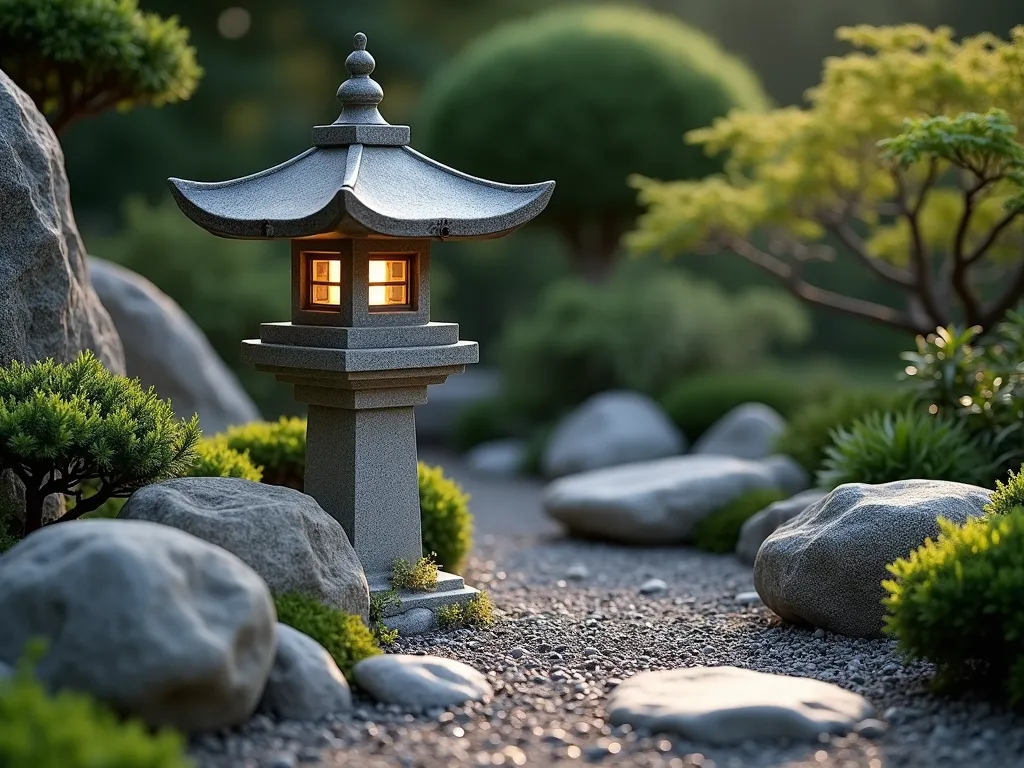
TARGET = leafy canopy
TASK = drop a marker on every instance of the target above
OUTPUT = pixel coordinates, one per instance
(930, 206)
(67, 427)
(82, 57)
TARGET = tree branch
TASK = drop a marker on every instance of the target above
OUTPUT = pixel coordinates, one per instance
(924, 285)
(979, 251)
(859, 248)
(958, 276)
(995, 311)
(866, 310)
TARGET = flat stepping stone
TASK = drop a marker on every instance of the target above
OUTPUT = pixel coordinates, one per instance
(727, 705)
(420, 682)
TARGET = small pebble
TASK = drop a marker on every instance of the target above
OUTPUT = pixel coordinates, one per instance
(653, 587)
(748, 598)
(577, 572)
(871, 728)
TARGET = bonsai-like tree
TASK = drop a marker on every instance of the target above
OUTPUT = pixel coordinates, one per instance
(74, 428)
(81, 57)
(585, 96)
(935, 211)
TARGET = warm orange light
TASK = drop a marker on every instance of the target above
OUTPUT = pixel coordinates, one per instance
(325, 276)
(389, 282)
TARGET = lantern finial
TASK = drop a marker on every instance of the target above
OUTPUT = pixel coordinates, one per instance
(360, 94)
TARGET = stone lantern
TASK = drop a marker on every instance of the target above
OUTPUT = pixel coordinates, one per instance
(361, 209)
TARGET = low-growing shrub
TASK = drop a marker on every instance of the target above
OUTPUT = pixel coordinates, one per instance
(379, 603)
(278, 447)
(695, 403)
(478, 613)
(66, 426)
(719, 531)
(643, 330)
(344, 635)
(883, 447)
(809, 432)
(956, 601)
(71, 730)
(421, 575)
(445, 519)
(1007, 496)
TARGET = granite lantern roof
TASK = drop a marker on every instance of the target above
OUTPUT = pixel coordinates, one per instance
(361, 178)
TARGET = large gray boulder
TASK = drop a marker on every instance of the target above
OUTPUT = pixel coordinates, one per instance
(166, 350)
(304, 683)
(748, 431)
(151, 621)
(660, 502)
(727, 705)
(825, 567)
(759, 527)
(282, 534)
(609, 429)
(47, 305)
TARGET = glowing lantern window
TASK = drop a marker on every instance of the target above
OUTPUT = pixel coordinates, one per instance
(389, 284)
(325, 282)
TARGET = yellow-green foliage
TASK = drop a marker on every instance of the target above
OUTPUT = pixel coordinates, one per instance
(445, 520)
(478, 613)
(279, 447)
(719, 531)
(214, 458)
(380, 602)
(807, 174)
(70, 730)
(344, 635)
(956, 601)
(1007, 495)
(421, 575)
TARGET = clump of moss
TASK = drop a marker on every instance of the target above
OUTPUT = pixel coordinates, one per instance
(71, 730)
(344, 635)
(379, 603)
(420, 576)
(720, 531)
(478, 613)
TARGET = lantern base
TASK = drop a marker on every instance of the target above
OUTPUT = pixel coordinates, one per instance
(416, 611)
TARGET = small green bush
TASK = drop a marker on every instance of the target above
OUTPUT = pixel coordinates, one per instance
(215, 459)
(809, 431)
(445, 519)
(956, 602)
(64, 427)
(70, 730)
(1006, 496)
(344, 636)
(883, 447)
(379, 603)
(278, 447)
(478, 613)
(719, 531)
(421, 575)
(643, 330)
(696, 402)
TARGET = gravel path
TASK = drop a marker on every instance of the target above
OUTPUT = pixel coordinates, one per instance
(563, 642)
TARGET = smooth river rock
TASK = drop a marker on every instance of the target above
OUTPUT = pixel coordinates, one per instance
(420, 682)
(748, 431)
(759, 527)
(660, 502)
(304, 683)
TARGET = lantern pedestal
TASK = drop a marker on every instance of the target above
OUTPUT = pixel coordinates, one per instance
(361, 462)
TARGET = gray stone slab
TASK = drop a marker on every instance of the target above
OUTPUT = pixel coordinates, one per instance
(343, 360)
(429, 335)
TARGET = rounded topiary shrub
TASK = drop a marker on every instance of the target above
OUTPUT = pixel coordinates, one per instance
(344, 635)
(884, 447)
(70, 730)
(278, 447)
(720, 531)
(956, 602)
(446, 522)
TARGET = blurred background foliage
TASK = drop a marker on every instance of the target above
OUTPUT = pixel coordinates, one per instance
(271, 70)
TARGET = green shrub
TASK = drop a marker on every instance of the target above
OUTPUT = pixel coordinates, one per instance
(78, 58)
(696, 402)
(719, 531)
(979, 380)
(70, 730)
(883, 447)
(643, 330)
(420, 576)
(478, 613)
(345, 636)
(379, 603)
(445, 520)
(556, 125)
(278, 447)
(65, 426)
(808, 433)
(215, 459)
(956, 602)
(1007, 496)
